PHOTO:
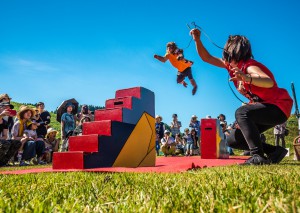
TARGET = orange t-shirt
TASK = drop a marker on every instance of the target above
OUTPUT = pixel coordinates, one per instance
(180, 65)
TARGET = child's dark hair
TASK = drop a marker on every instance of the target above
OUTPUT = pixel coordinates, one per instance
(237, 48)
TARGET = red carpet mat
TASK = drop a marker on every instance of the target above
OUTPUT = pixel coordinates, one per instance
(163, 164)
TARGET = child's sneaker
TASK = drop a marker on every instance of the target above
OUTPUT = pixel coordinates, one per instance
(194, 90)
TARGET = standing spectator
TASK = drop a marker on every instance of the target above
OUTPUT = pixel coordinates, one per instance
(222, 118)
(195, 142)
(279, 133)
(78, 129)
(160, 129)
(68, 123)
(188, 142)
(31, 148)
(8, 148)
(223, 124)
(195, 124)
(168, 144)
(43, 120)
(84, 113)
(175, 125)
(4, 98)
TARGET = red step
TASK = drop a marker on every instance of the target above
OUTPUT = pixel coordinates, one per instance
(68, 160)
(124, 102)
(85, 143)
(97, 127)
(135, 92)
(109, 114)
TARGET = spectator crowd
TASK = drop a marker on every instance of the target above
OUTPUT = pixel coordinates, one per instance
(26, 136)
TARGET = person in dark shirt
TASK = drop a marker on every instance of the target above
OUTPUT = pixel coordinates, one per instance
(43, 118)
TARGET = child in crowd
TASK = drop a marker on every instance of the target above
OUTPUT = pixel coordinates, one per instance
(179, 144)
(189, 142)
(51, 144)
(176, 58)
(29, 134)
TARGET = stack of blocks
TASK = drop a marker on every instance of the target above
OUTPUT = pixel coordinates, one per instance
(213, 142)
(122, 135)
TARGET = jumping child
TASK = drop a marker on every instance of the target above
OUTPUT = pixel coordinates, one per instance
(176, 58)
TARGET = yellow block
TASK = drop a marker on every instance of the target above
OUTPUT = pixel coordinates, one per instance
(139, 149)
(218, 141)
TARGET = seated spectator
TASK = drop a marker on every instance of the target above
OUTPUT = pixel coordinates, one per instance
(30, 130)
(51, 144)
(168, 144)
(43, 120)
(8, 148)
(180, 146)
(32, 149)
(189, 143)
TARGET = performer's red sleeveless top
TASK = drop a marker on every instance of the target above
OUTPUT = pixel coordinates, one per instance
(274, 95)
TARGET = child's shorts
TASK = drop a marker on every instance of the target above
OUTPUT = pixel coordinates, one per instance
(189, 146)
(186, 73)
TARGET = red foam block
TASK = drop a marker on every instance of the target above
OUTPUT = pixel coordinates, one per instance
(109, 114)
(68, 160)
(208, 139)
(125, 102)
(85, 143)
(135, 92)
(97, 127)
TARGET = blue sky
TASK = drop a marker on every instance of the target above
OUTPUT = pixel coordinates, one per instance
(55, 50)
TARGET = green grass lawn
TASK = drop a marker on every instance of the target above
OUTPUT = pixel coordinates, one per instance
(273, 188)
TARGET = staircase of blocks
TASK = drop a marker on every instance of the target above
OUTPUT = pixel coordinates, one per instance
(122, 135)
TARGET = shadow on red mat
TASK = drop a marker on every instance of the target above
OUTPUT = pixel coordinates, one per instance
(163, 165)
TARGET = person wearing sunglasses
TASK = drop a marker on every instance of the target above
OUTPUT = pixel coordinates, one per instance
(268, 104)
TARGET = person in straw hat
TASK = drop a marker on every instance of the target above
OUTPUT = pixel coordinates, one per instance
(31, 148)
(51, 144)
(4, 98)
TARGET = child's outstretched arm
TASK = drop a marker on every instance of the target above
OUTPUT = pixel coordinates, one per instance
(161, 58)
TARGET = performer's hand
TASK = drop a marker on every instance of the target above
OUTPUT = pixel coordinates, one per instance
(195, 33)
(238, 75)
(156, 56)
